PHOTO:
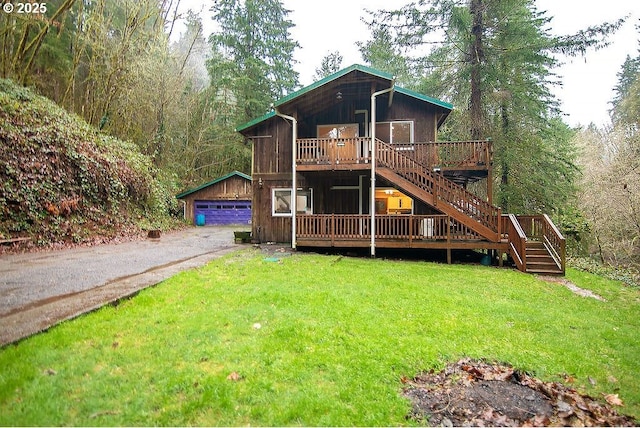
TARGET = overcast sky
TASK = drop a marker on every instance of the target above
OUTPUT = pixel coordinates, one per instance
(330, 25)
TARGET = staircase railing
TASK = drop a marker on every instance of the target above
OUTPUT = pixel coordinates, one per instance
(517, 242)
(541, 228)
(442, 189)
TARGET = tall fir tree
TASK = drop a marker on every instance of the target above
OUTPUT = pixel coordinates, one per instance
(496, 59)
(254, 53)
(329, 64)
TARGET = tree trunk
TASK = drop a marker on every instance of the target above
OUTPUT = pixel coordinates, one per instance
(476, 59)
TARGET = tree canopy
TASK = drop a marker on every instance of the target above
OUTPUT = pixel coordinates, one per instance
(495, 59)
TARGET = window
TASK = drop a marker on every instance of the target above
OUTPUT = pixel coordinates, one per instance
(346, 130)
(281, 202)
(399, 133)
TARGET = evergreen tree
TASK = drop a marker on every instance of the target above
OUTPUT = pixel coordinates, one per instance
(495, 59)
(383, 54)
(331, 63)
(256, 53)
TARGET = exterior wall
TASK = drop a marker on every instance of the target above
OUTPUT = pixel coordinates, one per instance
(272, 158)
(271, 168)
(406, 108)
(234, 187)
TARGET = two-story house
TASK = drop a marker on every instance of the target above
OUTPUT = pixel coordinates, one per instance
(353, 161)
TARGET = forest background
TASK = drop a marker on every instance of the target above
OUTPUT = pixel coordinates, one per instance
(145, 72)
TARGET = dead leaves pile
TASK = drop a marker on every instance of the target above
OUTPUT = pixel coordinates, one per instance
(476, 393)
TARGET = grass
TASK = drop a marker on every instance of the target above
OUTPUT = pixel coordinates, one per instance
(335, 337)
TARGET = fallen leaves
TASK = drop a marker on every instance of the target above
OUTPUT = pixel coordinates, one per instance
(613, 399)
(476, 393)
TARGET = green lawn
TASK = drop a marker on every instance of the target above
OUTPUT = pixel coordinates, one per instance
(336, 335)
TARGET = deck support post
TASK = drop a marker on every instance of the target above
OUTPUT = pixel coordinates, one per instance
(448, 240)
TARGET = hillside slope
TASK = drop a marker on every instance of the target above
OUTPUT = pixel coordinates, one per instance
(63, 182)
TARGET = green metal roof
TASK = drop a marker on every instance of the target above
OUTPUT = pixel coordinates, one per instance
(332, 77)
(337, 75)
(217, 180)
(255, 121)
(422, 97)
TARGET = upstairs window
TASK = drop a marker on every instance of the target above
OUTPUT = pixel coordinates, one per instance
(398, 133)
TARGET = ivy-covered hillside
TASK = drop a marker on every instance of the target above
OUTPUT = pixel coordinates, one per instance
(61, 181)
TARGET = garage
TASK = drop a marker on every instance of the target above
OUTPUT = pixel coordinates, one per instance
(222, 212)
(225, 200)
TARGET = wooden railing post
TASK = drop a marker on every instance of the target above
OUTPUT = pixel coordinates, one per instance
(333, 229)
(410, 230)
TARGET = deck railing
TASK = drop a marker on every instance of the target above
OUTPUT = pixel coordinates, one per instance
(541, 228)
(442, 189)
(345, 227)
(333, 151)
(517, 241)
(345, 151)
(450, 154)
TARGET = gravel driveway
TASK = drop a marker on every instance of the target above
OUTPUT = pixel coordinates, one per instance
(38, 290)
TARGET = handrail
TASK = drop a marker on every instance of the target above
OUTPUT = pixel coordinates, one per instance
(332, 150)
(517, 242)
(439, 186)
(541, 228)
(555, 242)
(441, 154)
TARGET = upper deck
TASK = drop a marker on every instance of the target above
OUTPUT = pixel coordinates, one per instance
(471, 158)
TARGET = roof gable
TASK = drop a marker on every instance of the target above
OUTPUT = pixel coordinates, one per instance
(320, 84)
(217, 180)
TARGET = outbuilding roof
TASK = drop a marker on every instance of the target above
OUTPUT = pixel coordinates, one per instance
(217, 180)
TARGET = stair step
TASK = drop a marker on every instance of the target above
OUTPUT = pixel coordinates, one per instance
(549, 263)
(545, 271)
(539, 256)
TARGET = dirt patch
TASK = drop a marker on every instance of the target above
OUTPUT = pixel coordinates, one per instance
(571, 286)
(475, 393)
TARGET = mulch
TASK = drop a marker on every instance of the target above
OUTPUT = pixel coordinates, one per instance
(477, 393)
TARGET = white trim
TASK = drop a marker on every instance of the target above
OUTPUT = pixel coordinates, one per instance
(286, 198)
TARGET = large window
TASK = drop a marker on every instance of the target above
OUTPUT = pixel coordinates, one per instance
(345, 130)
(281, 202)
(398, 132)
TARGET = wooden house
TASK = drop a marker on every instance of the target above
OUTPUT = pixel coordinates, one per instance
(357, 160)
(223, 201)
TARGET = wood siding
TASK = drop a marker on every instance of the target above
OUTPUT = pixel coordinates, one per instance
(233, 188)
(272, 158)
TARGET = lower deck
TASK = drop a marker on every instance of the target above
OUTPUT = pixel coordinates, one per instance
(429, 232)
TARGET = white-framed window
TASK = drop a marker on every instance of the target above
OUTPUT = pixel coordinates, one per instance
(399, 133)
(281, 202)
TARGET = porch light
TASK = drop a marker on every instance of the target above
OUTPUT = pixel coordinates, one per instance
(339, 96)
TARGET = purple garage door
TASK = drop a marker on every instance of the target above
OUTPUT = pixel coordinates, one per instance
(224, 212)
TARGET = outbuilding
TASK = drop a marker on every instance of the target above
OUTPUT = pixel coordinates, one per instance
(223, 201)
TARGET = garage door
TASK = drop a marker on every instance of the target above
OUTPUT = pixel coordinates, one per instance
(223, 212)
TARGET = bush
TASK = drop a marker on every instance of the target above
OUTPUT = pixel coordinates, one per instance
(63, 181)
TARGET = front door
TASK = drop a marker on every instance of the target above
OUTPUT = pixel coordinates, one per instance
(341, 150)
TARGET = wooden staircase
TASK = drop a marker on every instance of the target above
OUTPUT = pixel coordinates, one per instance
(535, 244)
(540, 261)
(438, 191)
